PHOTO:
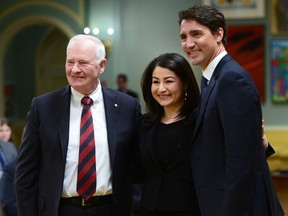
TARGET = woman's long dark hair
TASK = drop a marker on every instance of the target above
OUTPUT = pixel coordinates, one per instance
(182, 69)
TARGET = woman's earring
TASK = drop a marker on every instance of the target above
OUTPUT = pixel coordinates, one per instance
(185, 97)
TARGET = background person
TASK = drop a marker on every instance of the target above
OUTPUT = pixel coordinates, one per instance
(7, 190)
(122, 83)
(8, 153)
(5, 130)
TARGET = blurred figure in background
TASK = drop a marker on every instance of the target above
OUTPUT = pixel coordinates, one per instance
(5, 130)
(7, 190)
(8, 151)
(8, 154)
(122, 82)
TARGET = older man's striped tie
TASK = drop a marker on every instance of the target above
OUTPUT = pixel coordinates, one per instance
(86, 180)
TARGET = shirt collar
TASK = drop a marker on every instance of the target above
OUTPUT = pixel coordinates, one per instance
(96, 96)
(208, 72)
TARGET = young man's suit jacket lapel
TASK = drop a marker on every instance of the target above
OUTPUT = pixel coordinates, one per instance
(210, 87)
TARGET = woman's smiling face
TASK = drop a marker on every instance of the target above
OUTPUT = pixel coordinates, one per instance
(167, 89)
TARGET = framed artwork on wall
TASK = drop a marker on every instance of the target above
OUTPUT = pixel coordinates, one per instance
(279, 16)
(246, 44)
(239, 9)
(279, 71)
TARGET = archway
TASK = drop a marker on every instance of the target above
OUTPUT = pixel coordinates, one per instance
(32, 72)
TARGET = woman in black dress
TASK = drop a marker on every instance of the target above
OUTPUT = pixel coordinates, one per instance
(171, 94)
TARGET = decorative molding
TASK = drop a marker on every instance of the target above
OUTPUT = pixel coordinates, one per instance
(77, 17)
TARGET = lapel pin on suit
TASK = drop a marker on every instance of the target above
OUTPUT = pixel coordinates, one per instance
(115, 105)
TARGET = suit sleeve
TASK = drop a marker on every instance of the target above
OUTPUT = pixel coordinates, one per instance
(240, 114)
(27, 166)
(269, 151)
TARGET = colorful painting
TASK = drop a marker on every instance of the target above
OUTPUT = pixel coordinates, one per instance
(279, 17)
(234, 3)
(245, 43)
(239, 9)
(279, 62)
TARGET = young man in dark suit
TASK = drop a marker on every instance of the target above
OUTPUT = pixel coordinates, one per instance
(228, 159)
(51, 179)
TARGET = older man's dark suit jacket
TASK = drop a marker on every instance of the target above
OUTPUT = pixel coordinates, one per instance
(42, 155)
(228, 159)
